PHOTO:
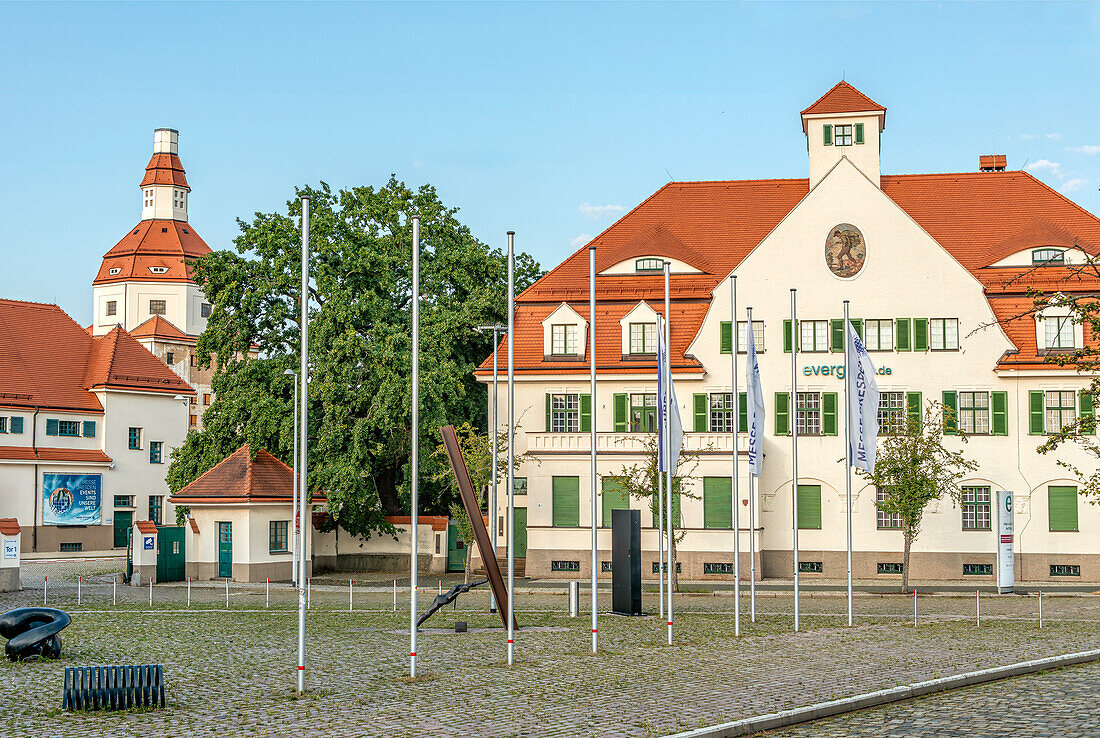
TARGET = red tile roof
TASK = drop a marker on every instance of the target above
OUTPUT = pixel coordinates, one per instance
(842, 98)
(165, 169)
(242, 477)
(158, 327)
(148, 527)
(159, 244)
(438, 522)
(9, 527)
(48, 360)
(26, 453)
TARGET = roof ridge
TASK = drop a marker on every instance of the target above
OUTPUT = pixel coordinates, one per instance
(211, 469)
(32, 303)
(842, 83)
(249, 461)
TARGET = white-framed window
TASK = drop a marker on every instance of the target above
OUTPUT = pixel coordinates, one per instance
(158, 307)
(943, 334)
(757, 336)
(565, 413)
(114, 270)
(723, 414)
(643, 338)
(148, 198)
(643, 412)
(563, 340)
(884, 520)
(649, 265)
(974, 412)
(813, 335)
(891, 413)
(204, 310)
(842, 135)
(112, 307)
(159, 270)
(976, 512)
(1061, 409)
(1048, 256)
(809, 413)
(878, 335)
(1058, 333)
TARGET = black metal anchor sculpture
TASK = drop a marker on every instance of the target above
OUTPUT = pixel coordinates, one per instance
(33, 631)
(443, 600)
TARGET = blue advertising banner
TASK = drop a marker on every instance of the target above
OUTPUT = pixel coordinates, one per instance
(71, 499)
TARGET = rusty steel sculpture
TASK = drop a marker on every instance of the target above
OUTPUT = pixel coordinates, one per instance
(447, 598)
(32, 632)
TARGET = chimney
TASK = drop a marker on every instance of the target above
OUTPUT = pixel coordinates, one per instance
(992, 162)
(166, 141)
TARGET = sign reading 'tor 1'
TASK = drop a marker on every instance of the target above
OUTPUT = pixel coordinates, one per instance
(1006, 565)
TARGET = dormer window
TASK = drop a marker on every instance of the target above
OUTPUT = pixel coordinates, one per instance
(159, 270)
(1059, 333)
(842, 135)
(114, 270)
(643, 338)
(1048, 256)
(649, 265)
(563, 340)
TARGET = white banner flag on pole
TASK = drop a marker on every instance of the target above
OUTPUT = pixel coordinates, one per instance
(672, 425)
(863, 404)
(754, 398)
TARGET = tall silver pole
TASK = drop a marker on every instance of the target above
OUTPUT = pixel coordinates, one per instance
(297, 515)
(848, 458)
(735, 402)
(752, 510)
(303, 377)
(593, 414)
(669, 409)
(415, 439)
(511, 446)
(496, 426)
(795, 333)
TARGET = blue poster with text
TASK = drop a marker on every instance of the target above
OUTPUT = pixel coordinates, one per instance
(71, 499)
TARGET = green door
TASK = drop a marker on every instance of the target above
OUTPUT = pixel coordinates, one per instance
(225, 550)
(456, 548)
(170, 554)
(123, 520)
(519, 535)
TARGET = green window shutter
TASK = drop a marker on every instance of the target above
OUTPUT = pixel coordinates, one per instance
(701, 412)
(914, 409)
(859, 133)
(827, 134)
(51, 426)
(809, 506)
(742, 412)
(828, 414)
(950, 413)
(547, 413)
(89, 429)
(787, 338)
(620, 410)
(782, 414)
(1062, 508)
(920, 334)
(1000, 413)
(836, 334)
(1035, 413)
(725, 338)
(16, 425)
(1088, 414)
(857, 323)
(615, 497)
(567, 502)
(586, 413)
(901, 335)
(717, 502)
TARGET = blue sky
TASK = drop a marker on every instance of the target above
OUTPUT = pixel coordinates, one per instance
(549, 119)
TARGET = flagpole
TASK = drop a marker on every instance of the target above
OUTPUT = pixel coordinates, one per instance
(592, 424)
(493, 604)
(415, 437)
(735, 402)
(511, 445)
(794, 441)
(752, 504)
(848, 455)
(304, 379)
(668, 446)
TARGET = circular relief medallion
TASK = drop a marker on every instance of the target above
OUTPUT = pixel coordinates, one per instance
(845, 250)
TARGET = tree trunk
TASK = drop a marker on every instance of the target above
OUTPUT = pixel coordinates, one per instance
(675, 574)
(469, 561)
(905, 561)
(386, 481)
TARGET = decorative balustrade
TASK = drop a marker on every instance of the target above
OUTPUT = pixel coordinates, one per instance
(628, 442)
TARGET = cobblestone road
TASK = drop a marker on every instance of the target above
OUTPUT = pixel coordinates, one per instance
(231, 670)
(1053, 704)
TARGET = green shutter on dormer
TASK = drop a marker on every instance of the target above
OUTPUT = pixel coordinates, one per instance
(827, 134)
(859, 133)
(725, 337)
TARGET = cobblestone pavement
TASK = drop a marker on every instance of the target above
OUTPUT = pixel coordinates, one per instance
(1050, 704)
(231, 670)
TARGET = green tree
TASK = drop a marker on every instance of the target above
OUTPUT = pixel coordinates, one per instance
(914, 468)
(360, 300)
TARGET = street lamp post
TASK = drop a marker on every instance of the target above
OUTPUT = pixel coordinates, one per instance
(496, 329)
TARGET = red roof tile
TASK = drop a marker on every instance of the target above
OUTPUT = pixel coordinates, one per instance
(158, 327)
(26, 453)
(118, 361)
(148, 527)
(842, 98)
(240, 477)
(9, 527)
(438, 522)
(166, 169)
(153, 244)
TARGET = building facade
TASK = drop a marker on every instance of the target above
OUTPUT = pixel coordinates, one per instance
(938, 269)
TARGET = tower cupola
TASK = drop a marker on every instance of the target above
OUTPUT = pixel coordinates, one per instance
(164, 189)
(844, 123)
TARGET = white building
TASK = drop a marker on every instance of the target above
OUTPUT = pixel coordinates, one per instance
(87, 425)
(937, 268)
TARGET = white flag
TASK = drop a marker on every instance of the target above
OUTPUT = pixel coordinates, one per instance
(672, 425)
(862, 403)
(754, 396)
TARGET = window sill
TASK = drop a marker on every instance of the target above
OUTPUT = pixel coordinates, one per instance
(562, 357)
(976, 530)
(639, 357)
(1075, 530)
(278, 552)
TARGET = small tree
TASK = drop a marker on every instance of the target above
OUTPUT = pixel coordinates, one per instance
(641, 481)
(914, 468)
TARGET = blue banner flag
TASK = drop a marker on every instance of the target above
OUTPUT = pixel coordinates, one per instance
(754, 396)
(862, 403)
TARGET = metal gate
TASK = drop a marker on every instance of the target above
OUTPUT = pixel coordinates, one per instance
(456, 548)
(171, 558)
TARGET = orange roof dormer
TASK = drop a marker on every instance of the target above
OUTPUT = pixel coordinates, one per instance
(843, 98)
